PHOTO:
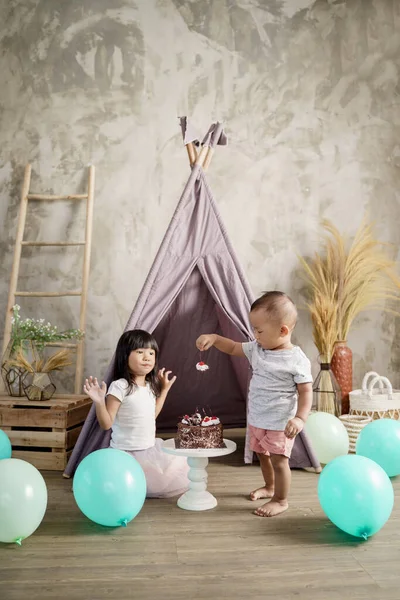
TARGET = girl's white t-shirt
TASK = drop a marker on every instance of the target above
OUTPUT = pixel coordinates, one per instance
(134, 427)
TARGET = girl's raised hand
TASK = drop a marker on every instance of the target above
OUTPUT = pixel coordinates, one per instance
(96, 392)
(166, 383)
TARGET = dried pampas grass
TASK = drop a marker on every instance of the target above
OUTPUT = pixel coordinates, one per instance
(345, 280)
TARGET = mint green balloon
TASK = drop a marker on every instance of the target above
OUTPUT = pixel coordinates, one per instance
(380, 441)
(110, 487)
(328, 436)
(23, 499)
(356, 495)
(5, 445)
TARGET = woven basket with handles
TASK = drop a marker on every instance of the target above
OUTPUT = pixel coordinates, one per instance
(378, 403)
(354, 424)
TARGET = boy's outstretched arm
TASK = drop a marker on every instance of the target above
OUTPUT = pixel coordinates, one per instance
(205, 341)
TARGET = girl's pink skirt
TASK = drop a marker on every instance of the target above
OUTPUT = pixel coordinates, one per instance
(166, 474)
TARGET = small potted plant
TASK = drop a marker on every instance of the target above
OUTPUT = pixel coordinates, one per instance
(36, 381)
(24, 370)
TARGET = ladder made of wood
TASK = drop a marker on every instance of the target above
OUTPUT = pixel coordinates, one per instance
(20, 243)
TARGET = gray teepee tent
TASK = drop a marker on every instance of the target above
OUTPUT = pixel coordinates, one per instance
(195, 286)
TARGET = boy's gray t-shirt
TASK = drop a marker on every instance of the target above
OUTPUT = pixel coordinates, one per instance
(272, 391)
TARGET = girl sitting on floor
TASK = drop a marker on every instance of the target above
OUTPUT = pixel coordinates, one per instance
(134, 400)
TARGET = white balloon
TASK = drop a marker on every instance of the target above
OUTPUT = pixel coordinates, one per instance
(328, 436)
(23, 499)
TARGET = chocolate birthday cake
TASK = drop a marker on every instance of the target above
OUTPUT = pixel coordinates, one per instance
(200, 432)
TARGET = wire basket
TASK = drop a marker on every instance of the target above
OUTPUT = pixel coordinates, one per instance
(354, 424)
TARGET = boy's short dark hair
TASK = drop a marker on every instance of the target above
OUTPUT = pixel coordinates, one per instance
(277, 305)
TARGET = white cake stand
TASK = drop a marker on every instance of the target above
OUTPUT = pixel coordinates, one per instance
(197, 497)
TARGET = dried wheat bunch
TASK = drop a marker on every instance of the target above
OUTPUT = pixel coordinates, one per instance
(346, 279)
(55, 362)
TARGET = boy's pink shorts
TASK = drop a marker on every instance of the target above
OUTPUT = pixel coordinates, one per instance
(266, 441)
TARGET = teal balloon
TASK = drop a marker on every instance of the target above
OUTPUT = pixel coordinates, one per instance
(5, 445)
(356, 495)
(23, 499)
(380, 441)
(109, 487)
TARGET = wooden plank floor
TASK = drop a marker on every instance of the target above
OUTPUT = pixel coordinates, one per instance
(172, 554)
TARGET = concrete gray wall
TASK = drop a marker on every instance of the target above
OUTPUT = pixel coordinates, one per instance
(309, 93)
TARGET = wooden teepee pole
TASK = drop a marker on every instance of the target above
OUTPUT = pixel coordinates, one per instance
(192, 153)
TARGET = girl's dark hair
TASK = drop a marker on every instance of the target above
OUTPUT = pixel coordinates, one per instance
(133, 340)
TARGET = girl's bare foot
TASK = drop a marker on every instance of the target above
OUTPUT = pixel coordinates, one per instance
(272, 509)
(262, 492)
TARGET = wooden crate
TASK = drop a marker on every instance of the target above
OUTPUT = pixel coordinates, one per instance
(44, 433)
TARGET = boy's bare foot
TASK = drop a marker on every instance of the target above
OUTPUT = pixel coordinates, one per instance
(262, 492)
(272, 509)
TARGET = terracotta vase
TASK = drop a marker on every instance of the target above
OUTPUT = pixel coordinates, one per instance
(342, 367)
